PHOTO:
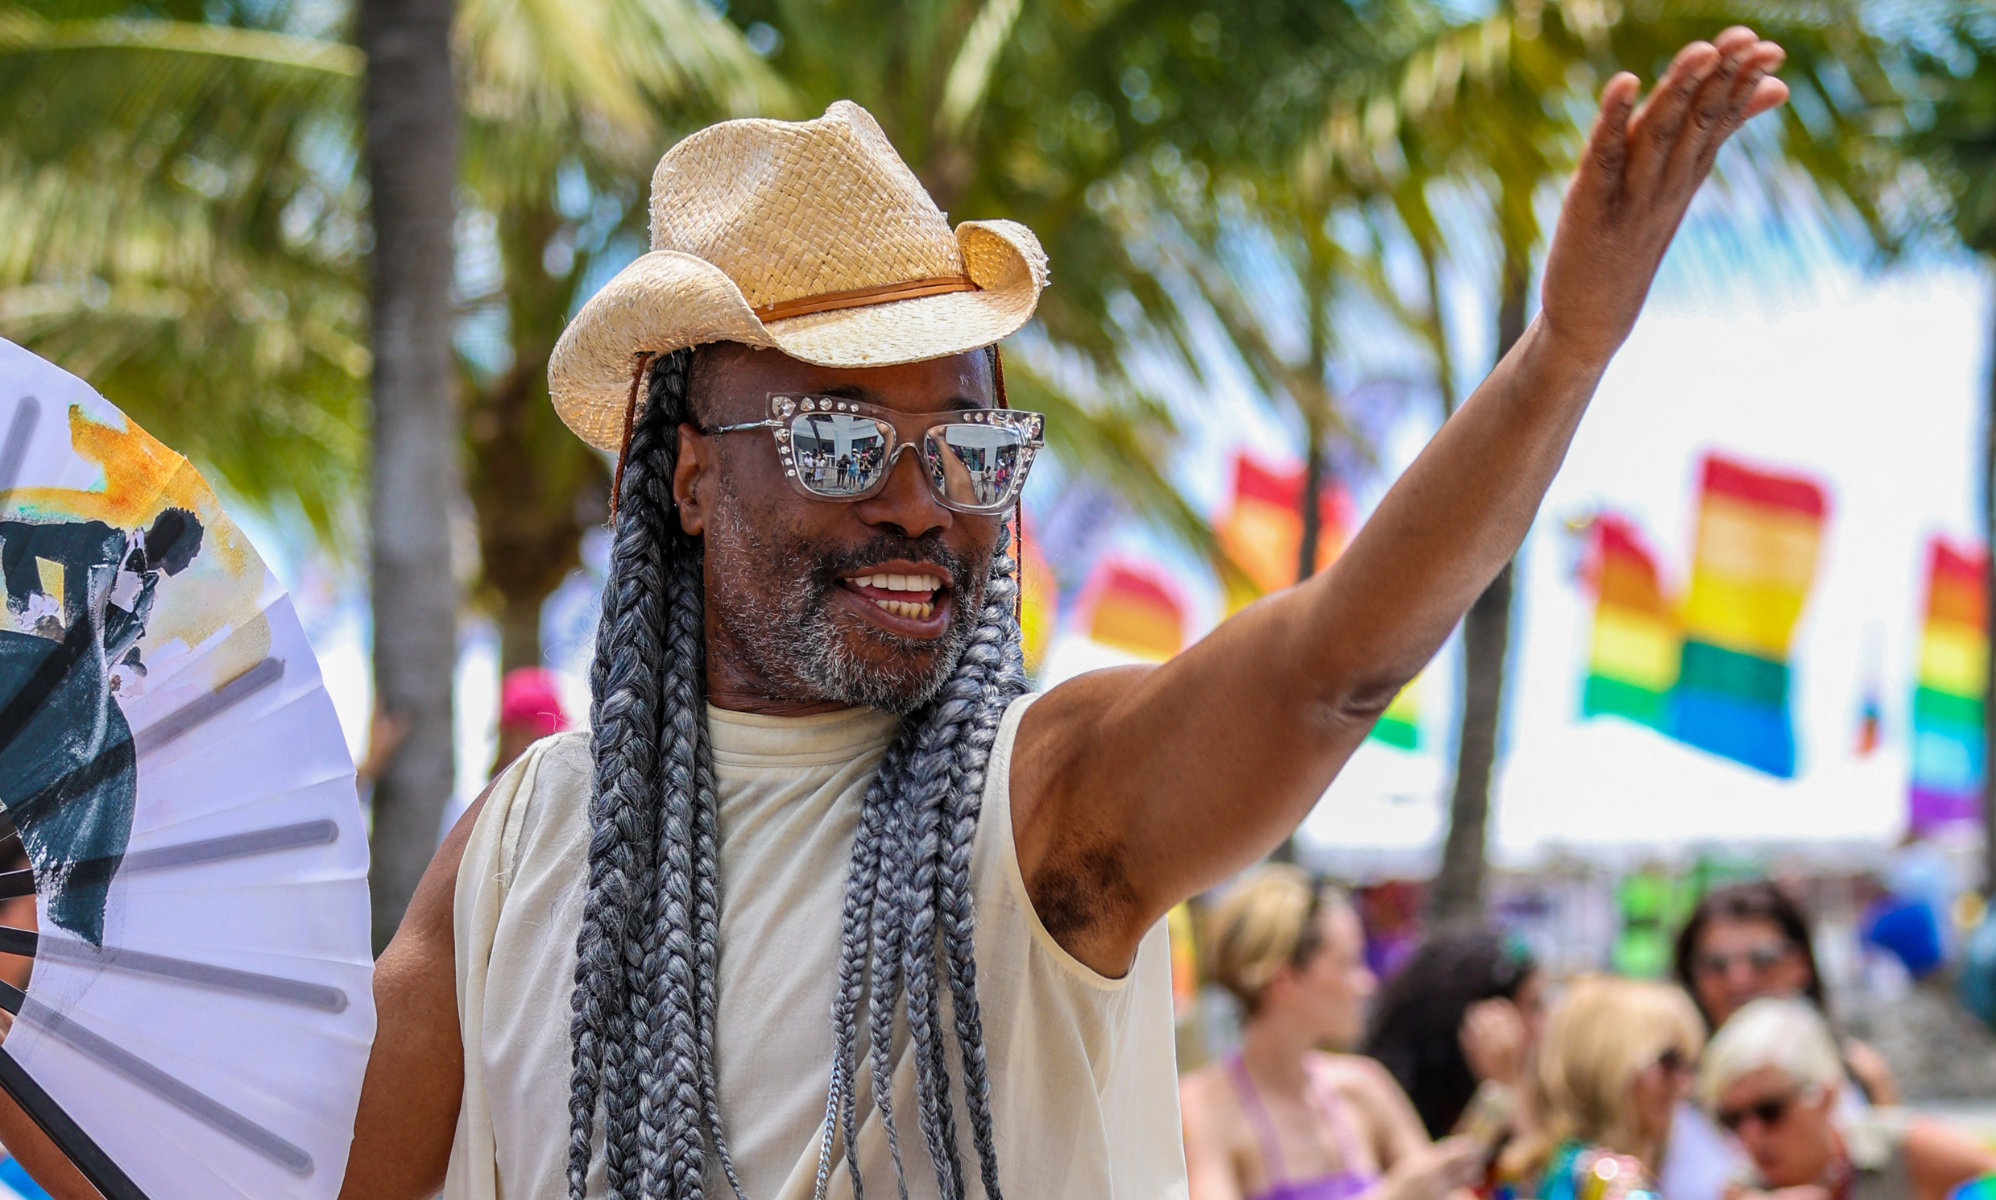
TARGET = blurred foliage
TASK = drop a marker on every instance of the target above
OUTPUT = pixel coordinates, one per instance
(180, 223)
(1956, 139)
(182, 214)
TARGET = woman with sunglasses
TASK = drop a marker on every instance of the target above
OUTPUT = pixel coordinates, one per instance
(1279, 1119)
(1772, 1077)
(1749, 940)
(1616, 1058)
(1745, 941)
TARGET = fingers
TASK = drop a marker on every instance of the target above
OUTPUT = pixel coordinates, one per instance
(1654, 127)
(1761, 58)
(1608, 145)
(1771, 94)
(1720, 107)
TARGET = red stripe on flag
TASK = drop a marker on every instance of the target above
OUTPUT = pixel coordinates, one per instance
(1794, 492)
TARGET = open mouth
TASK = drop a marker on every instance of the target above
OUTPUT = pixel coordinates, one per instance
(909, 592)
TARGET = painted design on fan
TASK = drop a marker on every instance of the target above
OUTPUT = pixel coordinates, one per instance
(86, 620)
(79, 595)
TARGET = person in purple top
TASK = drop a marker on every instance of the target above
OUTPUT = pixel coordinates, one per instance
(1280, 1119)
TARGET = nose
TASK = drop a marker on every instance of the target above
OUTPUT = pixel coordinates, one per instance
(905, 502)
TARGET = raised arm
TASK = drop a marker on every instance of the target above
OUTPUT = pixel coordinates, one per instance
(1137, 787)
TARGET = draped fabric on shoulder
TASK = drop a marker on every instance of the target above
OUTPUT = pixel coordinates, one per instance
(1083, 1091)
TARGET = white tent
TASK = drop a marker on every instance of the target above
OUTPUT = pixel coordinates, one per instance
(1612, 792)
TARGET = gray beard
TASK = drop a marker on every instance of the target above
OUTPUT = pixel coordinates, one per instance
(796, 641)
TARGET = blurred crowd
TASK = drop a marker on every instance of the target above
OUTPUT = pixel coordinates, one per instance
(1470, 1072)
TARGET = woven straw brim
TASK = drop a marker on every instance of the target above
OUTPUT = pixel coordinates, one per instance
(665, 301)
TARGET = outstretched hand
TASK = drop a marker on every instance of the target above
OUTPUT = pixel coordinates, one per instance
(1641, 168)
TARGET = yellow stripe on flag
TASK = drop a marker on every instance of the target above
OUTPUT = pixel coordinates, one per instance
(1954, 660)
(1742, 614)
(1635, 648)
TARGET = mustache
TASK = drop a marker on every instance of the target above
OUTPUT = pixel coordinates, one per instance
(929, 548)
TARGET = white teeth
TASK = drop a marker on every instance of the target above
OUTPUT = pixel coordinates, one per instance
(901, 583)
(908, 608)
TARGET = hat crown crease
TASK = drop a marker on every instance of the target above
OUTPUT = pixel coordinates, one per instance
(794, 210)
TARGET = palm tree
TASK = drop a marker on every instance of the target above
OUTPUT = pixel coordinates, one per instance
(1069, 118)
(410, 117)
(189, 231)
(181, 223)
(1958, 146)
(569, 111)
(1490, 103)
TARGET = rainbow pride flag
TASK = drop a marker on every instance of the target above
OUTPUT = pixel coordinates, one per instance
(1636, 646)
(1947, 701)
(1039, 603)
(1134, 608)
(1755, 561)
(1400, 724)
(1262, 531)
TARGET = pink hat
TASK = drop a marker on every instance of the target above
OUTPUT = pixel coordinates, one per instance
(529, 696)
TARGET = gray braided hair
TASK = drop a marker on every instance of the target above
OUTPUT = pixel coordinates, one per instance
(645, 1001)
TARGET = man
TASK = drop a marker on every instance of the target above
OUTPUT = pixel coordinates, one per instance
(81, 592)
(877, 906)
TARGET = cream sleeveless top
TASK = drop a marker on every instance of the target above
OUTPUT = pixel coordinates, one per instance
(1083, 1080)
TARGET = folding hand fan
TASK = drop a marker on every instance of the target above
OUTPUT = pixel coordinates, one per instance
(200, 1012)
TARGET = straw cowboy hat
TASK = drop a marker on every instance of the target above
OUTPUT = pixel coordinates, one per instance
(811, 237)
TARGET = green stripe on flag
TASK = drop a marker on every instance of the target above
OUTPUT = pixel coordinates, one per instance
(1396, 732)
(1744, 677)
(1605, 697)
(1939, 708)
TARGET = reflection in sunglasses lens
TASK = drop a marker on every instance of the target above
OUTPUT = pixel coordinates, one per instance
(838, 454)
(973, 464)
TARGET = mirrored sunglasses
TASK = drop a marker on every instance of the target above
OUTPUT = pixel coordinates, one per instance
(1768, 1112)
(844, 450)
(1760, 958)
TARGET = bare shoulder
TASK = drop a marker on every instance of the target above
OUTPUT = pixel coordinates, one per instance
(1069, 838)
(1387, 1117)
(1355, 1075)
(1208, 1104)
(1057, 730)
(1939, 1156)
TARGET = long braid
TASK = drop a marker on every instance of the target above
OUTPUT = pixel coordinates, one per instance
(993, 654)
(646, 1001)
(673, 1111)
(624, 713)
(884, 968)
(684, 1109)
(707, 932)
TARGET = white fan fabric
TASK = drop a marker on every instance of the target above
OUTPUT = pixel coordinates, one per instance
(214, 1045)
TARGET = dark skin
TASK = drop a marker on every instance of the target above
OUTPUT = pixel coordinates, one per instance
(1132, 789)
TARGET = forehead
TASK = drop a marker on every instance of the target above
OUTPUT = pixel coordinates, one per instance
(731, 382)
(1730, 932)
(1757, 1084)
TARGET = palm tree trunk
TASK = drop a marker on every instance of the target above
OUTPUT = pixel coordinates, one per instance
(411, 115)
(1486, 635)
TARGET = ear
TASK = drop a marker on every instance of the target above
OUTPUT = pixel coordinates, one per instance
(693, 480)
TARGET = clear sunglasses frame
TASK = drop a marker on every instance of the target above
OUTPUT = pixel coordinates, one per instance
(787, 408)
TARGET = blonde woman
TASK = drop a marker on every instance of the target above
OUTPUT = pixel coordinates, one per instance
(1616, 1058)
(1772, 1078)
(1281, 1119)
